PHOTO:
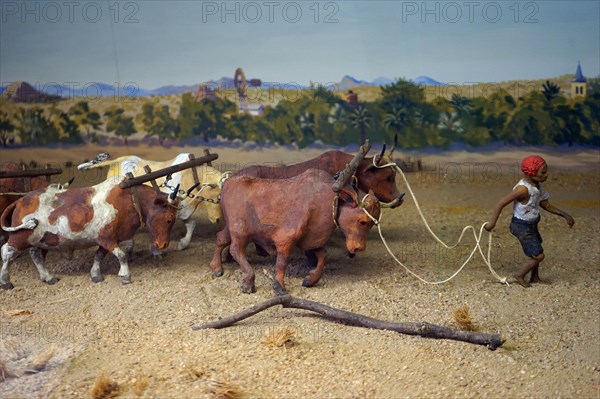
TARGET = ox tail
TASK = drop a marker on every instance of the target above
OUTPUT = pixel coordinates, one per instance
(29, 224)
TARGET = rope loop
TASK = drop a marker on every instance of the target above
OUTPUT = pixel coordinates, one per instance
(478, 237)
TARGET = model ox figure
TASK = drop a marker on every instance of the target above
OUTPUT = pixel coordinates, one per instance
(13, 188)
(207, 193)
(103, 215)
(370, 173)
(283, 213)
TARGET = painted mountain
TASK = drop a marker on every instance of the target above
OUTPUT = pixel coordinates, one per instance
(427, 81)
(25, 92)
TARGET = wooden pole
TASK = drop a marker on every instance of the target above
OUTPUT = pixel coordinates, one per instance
(30, 173)
(167, 171)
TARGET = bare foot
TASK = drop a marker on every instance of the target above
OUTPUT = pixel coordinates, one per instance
(522, 281)
(537, 280)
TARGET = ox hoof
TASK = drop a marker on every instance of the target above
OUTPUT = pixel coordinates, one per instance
(248, 289)
(181, 246)
(306, 283)
(52, 281)
(7, 286)
(97, 279)
(217, 274)
(126, 280)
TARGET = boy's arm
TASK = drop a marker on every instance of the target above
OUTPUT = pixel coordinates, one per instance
(545, 204)
(518, 194)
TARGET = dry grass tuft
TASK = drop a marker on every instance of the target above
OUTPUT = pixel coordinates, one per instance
(224, 390)
(18, 312)
(40, 362)
(5, 372)
(140, 385)
(462, 318)
(194, 372)
(104, 387)
(279, 337)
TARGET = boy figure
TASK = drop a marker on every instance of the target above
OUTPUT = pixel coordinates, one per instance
(528, 196)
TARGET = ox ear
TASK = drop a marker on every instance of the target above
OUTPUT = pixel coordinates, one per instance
(348, 196)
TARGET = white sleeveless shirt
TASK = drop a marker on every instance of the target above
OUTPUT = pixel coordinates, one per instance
(531, 210)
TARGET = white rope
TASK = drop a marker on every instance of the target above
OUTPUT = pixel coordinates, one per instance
(487, 259)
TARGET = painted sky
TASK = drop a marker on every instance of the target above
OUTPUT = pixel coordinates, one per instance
(157, 43)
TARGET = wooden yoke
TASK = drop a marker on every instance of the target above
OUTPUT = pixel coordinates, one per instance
(135, 181)
(153, 182)
(30, 173)
(194, 171)
(27, 174)
(350, 169)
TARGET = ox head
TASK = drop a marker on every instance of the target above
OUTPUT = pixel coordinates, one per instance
(160, 217)
(211, 193)
(208, 192)
(382, 180)
(355, 216)
(354, 219)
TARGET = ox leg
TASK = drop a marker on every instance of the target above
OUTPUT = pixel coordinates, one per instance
(311, 259)
(315, 275)
(157, 253)
(8, 253)
(129, 244)
(190, 225)
(124, 269)
(223, 241)
(280, 266)
(95, 272)
(238, 249)
(39, 259)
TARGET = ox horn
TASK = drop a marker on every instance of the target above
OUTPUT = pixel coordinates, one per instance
(350, 168)
(173, 194)
(394, 147)
(377, 159)
(67, 184)
(189, 192)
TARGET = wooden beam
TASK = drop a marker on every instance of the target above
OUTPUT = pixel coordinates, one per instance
(167, 171)
(30, 173)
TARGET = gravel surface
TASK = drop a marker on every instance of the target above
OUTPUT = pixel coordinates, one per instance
(142, 331)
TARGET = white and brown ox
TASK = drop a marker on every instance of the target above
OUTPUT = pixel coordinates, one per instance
(13, 188)
(207, 193)
(77, 218)
(279, 214)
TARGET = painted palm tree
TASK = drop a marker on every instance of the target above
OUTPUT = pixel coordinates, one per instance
(550, 90)
(461, 104)
(308, 126)
(360, 118)
(450, 121)
(6, 128)
(398, 119)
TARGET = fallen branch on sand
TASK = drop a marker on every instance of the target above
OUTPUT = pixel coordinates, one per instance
(492, 341)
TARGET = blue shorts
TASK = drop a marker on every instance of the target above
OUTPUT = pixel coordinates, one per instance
(528, 235)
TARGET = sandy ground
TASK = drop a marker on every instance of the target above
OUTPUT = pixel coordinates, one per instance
(140, 333)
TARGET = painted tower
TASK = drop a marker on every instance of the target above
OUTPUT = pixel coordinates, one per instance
(578, 84)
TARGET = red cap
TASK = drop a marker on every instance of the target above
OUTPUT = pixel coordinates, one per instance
(532, 164)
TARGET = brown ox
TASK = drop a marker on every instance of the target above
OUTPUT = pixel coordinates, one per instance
(281, 214)
(381, 180)
(103, 215)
